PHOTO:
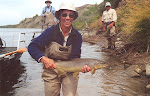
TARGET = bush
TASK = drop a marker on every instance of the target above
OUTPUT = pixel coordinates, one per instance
(137, 23)
(89, 16)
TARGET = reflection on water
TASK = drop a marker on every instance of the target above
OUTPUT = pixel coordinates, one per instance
(25, 78)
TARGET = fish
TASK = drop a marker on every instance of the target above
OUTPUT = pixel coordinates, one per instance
(75, 65)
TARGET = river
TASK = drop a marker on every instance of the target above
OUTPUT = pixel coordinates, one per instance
(110, 81)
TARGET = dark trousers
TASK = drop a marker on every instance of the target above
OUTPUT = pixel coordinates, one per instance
(111, 36)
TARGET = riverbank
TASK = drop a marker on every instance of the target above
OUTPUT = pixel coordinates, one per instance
(135, 64)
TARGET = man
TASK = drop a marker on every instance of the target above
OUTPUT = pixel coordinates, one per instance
(66, 36)
(48, 13)
(109, 18)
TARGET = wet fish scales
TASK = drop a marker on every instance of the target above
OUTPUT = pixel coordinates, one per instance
(75, 65)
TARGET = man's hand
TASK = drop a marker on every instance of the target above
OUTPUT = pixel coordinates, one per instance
(86, 69)
(49, 63)
(55, 22)
(112, 24)
(104, 29)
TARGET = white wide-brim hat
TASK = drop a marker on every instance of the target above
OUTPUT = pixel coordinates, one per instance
(107, 4)
(66, 6)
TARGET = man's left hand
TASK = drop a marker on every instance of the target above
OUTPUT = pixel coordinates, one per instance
(86, 69)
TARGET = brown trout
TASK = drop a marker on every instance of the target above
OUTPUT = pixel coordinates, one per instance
(75, 65)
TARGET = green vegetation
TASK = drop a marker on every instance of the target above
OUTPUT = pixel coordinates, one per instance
(135, 23)
(34, 17)
(87, 17)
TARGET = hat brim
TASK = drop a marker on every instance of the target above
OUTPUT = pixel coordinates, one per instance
(48, 1)
(58, 13)
(108, 6)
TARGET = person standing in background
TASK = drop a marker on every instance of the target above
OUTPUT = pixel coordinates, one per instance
(48, 13)
(109, 18)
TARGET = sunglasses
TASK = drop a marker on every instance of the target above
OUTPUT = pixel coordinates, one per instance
(70, 15)
(48, 2)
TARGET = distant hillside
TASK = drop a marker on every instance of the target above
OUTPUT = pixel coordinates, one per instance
(36, 21)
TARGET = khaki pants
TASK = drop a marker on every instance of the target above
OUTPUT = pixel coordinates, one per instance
(53, 83)
(111, 36)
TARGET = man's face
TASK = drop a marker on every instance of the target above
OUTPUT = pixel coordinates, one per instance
(66, 18)
(48, 4)
(108, 7)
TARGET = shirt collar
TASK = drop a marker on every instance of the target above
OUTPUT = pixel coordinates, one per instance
(62, 32)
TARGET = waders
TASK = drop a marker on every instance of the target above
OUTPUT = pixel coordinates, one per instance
(48, 20)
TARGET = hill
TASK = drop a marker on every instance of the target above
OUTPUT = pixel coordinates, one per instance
(36, 21)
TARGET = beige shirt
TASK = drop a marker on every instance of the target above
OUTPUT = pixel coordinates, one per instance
(109, 16)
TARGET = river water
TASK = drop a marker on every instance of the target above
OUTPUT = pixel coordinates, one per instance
(25, 76)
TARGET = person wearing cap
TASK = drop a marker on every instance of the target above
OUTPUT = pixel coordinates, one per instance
(109, 18)
(48, 13)
(66, 35)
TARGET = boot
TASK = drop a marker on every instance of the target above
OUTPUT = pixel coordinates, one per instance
(109, 47)
(113, 47)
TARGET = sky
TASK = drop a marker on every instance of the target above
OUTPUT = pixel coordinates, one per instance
(13, 11)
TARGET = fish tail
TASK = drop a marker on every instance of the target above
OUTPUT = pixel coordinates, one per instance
(93, 71)
(60, 71)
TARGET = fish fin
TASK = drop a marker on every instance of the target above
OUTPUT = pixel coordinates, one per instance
(60, 72)
(75, 74)
(93, 71)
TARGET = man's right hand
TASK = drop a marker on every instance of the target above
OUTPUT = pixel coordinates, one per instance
(49, 63)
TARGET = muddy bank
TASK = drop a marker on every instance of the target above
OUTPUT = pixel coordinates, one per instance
(136, 64)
